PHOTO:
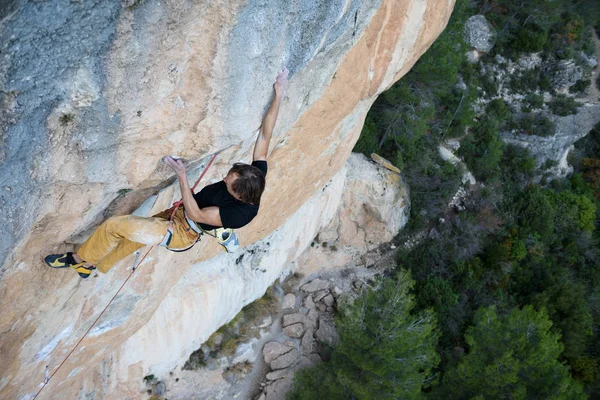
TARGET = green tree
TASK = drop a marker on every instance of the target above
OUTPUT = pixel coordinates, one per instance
(384, 351)
(512, 356)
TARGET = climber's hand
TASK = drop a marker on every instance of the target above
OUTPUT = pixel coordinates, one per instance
(281, 82)
(176, 165)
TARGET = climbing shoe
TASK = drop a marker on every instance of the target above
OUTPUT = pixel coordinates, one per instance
(65, 260)
(83, 272)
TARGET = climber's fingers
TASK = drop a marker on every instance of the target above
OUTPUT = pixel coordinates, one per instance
(281, 81)
(176, 165)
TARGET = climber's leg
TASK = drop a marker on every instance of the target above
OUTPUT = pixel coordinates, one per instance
(118, 237)
(122, 250)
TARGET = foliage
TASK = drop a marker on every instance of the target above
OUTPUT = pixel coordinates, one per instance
(563, 105)
(512, 356)
(534, 124)
(511, 244)
(384, 351)
(483, 149)
(367, 143)
(533, 101)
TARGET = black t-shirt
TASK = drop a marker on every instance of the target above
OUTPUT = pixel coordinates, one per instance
(234, 213)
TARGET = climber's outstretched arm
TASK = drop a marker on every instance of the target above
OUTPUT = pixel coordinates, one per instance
(261, 148)
(207, 215)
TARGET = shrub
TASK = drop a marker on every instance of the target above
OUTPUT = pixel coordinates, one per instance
(367, 142)
(533, 101)
(530, 39)
(580, 86)
(563, 105)
(499, 110)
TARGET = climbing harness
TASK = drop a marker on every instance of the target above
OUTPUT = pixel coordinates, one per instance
(226, 238)
(136, 264)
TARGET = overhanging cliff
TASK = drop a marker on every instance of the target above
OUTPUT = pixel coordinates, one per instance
(95, 93)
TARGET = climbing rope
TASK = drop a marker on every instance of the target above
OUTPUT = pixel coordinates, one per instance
(175, 206)
(47, 379)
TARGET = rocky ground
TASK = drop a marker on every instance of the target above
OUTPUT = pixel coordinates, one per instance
(256, 355)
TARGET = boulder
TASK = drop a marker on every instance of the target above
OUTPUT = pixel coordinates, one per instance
(294, 330)
(284, 360)
(309, 303)
(473, 56)
(479, 33)
(327, 332)
(312, 318)
(319, 295)
(278, 389)
(272, 350)
(278, 374)
(289, 300)
(307, 342)
(328, 300)
(315, 285)
(295, 318)
(375, 205)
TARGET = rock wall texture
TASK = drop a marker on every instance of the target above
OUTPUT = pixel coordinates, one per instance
(556, 148)
(94, 93)
(374, 207)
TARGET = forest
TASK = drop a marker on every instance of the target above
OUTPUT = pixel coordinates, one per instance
(500, 298)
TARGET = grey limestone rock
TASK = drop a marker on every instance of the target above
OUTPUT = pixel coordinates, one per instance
(590, 61)
(480, 34)
(278, 374)
(326, 332)
(473, 56)
(530, 61)
(307, 342)
(273, 350)
(319, 295)
(288, 301)
(315, 285)
(294, 330)
(295, 318)
(285, 360)
(329, 300)
(569, 129)
(563, 73)
(278, 389)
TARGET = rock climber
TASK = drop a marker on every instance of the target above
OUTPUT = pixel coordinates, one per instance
(230, 203)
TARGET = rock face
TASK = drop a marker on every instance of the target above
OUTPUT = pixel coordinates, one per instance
(95, 93)
(564, 73)
(375, 206)
(556, 148)
(479, 33)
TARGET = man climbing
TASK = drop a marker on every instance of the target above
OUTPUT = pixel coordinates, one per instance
(230, 203)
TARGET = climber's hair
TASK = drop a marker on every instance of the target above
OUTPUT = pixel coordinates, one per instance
(250, 183)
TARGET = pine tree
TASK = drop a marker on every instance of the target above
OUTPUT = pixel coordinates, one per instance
(384, 351)
(514, 356)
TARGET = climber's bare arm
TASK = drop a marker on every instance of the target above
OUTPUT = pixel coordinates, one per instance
(207, 215)
(261, 148)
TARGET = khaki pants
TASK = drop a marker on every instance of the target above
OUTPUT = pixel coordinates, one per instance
(120, 236)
